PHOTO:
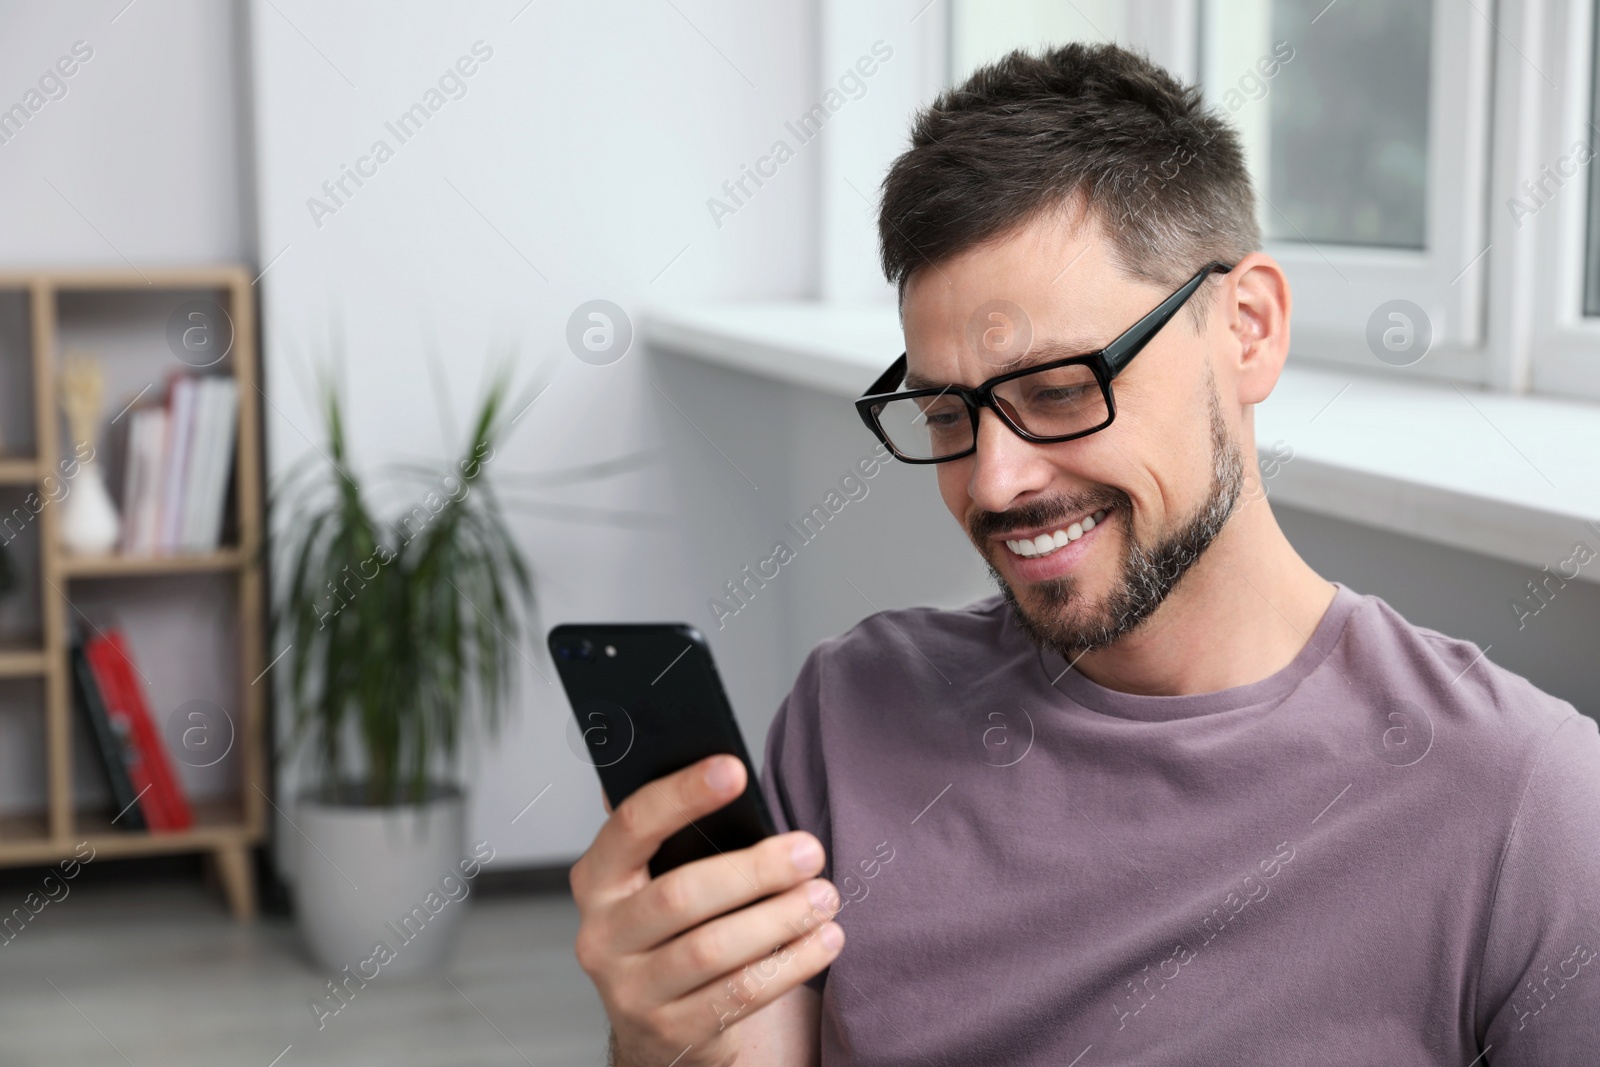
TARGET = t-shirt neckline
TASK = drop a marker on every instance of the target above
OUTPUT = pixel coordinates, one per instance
(1272, 688)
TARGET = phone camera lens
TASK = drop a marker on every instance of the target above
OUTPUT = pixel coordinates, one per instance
(586, 651)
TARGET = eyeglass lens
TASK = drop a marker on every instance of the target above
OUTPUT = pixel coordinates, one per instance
(1057, 402)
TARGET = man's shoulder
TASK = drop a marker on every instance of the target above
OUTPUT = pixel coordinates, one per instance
(891, 667)
(1457, 682)
(899, 647)
(899, 631)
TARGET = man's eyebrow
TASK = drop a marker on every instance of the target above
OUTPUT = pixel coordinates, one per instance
(1039, 352)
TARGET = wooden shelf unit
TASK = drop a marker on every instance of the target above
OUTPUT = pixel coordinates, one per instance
(227, 831)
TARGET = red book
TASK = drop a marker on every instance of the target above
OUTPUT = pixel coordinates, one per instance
(99, 653)
(161, 799)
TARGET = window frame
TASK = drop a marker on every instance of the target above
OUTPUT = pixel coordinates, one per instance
(1558, 350)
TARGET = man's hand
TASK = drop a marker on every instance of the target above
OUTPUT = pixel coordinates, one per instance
(676, 966)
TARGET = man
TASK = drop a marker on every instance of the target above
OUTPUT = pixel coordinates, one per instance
(1169, 798)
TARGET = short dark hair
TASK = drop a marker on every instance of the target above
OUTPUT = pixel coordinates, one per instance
(1164, 174)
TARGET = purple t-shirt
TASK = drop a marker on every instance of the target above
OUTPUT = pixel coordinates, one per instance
(1386, 853)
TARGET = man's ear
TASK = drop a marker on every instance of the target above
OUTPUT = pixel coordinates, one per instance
(1257, 311)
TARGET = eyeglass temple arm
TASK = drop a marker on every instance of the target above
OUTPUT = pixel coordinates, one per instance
(890, 379)
(1119, 352)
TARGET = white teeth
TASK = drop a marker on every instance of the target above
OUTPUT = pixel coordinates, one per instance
(1046, 543)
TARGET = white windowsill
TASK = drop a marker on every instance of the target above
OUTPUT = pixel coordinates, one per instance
(1509, 476)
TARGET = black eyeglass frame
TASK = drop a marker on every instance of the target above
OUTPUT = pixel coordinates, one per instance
(1105, 364)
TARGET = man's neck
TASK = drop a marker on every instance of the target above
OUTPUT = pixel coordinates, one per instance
(1241, 613)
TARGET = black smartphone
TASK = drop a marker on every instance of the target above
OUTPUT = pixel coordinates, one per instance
(648, 701)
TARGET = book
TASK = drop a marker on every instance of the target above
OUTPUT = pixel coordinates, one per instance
(214, 493)
(116, 748)
(162, 799)
(180, 431)
(149, 508)
(213, 451)
(197, 466)
(147, 430)
(131, 473)
(179, 465)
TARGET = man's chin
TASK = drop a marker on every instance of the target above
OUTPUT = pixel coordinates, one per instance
(1062, 614)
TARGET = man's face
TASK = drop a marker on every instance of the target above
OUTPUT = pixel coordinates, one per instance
(1145, 496)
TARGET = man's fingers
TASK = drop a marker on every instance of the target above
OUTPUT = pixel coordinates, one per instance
(745, 937)
(658, 810)
(702, 890)
(740, 993)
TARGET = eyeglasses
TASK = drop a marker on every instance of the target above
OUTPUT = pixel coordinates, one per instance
(1061, 400)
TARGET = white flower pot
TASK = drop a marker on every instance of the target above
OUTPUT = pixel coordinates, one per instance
(380, 892)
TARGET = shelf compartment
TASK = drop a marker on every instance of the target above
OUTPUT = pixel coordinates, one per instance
(18, 419)
(24, 830)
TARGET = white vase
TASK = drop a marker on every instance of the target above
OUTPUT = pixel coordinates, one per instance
(89, 523)
(391, 875)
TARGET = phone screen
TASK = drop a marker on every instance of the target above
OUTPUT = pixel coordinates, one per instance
(647, 701)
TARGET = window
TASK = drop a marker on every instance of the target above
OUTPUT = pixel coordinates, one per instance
(1340, 159)
(1365, 123)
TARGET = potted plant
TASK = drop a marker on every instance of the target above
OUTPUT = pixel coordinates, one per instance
(396, 630)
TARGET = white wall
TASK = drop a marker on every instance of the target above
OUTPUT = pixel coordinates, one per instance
(140, 160)
(576, 166)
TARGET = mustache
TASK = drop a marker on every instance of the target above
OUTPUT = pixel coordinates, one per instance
(982, 525)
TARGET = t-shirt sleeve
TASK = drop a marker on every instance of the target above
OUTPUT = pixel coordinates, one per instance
(1539, 992)
(793, 780)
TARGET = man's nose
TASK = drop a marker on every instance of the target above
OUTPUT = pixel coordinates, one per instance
(1005, 468)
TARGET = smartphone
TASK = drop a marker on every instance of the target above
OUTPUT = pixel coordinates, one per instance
(648, 701)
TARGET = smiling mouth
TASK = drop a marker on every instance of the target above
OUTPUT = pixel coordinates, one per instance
(1054, 540)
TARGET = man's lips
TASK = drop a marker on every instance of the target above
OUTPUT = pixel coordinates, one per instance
(1043, 541)
(1060, 560)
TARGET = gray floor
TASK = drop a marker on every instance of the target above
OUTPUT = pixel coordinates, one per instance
(159, 976)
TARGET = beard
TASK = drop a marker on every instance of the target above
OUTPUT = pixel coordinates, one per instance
(1148, 573)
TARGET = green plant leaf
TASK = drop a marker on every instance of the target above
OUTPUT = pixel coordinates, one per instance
(399, 628)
